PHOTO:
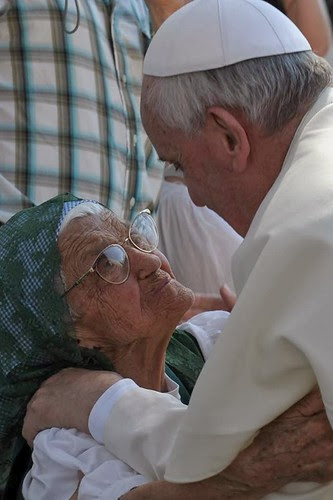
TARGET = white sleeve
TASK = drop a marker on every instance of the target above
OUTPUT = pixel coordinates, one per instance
(139, 426)
(62, 456)
(103, 406)
(141, 429)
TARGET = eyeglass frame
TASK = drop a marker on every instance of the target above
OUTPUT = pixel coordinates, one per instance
(93, 269)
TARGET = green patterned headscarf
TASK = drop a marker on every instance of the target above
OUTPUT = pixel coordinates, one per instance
(36, 337)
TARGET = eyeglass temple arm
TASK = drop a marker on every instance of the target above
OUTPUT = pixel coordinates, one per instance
(78, 281)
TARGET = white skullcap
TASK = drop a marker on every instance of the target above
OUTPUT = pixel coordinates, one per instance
(208, 34)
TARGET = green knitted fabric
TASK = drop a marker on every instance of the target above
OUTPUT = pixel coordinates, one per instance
(184, 362)
(37, 339)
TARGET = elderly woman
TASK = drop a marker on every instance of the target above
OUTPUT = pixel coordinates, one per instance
(80, 288)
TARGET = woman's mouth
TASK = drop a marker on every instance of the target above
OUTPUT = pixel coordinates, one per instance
(162, 283)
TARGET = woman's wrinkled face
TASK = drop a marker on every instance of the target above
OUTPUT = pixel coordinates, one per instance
(149, 302)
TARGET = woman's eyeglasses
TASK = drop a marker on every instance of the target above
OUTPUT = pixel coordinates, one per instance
(112, 263)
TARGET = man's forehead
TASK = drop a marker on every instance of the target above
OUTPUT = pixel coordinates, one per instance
(164, 139)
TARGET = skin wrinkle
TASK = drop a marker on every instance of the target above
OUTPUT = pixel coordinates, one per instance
(295, 426)
(234, 179)
(96, 236)
(132, 322)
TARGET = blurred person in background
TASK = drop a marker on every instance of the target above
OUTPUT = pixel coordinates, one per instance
(312, 18)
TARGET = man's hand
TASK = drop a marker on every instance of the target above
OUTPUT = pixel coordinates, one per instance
(297, 446)
(228, 297)
(210, 302)
(66, 400)
(209, 489)
(204, 302)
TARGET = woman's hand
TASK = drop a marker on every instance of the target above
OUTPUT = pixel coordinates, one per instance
(66, 400)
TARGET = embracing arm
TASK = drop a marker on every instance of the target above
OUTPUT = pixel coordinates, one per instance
(282, 452)
(298, 446)
(211, 489)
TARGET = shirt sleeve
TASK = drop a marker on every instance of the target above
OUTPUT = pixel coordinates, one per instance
(141, 429)
(145, 433)
(103, 406)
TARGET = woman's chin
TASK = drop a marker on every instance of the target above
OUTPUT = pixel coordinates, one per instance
(180, 299)
(185, 300)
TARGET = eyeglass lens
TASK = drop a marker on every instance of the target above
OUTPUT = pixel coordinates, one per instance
(113, 264)
(143, 232)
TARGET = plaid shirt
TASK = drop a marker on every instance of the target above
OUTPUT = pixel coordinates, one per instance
(69, 105)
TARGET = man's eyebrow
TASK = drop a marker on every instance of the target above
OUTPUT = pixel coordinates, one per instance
(162, 159)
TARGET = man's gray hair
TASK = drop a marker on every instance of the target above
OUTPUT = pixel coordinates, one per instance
(270, 91)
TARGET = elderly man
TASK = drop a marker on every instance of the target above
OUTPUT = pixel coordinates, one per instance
(246, 111)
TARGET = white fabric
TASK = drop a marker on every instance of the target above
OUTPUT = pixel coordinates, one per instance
(61, 456)
(198, 243)
(106, 401)
(260, 30)
(278, 341)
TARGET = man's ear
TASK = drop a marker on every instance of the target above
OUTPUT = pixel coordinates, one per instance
(232, 138)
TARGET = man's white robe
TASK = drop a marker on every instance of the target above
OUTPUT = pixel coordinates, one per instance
(278, 342)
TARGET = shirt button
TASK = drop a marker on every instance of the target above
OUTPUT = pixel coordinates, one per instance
(132, 202)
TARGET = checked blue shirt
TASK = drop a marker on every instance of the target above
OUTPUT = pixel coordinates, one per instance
(69, 105)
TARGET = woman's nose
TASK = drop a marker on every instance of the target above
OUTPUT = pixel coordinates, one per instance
(165, 265)
(143, 264)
